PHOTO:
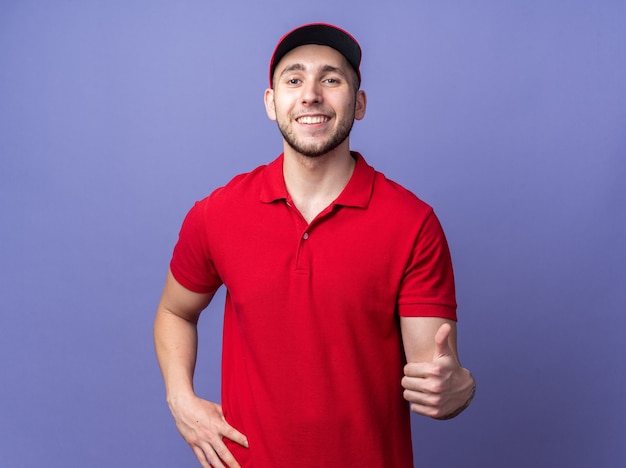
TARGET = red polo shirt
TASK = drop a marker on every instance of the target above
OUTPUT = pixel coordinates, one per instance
(312, 353)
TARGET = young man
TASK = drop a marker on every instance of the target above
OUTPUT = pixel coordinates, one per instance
(336, 278)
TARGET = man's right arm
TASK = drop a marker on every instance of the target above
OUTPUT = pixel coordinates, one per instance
(200, 422)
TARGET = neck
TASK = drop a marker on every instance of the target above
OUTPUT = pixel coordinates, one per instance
(315, 182)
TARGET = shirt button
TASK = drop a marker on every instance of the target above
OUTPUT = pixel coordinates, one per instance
(306, 235)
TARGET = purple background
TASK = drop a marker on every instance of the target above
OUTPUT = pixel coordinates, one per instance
(508, 117)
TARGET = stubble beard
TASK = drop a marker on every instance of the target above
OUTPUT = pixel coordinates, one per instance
(314, 150)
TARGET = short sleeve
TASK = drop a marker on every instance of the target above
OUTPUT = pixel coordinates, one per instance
(427, 289)
(191, 263)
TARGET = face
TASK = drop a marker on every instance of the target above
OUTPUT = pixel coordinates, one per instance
(314, 100)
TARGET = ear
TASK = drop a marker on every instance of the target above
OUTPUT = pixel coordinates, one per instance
(270, 106)
(361, 104)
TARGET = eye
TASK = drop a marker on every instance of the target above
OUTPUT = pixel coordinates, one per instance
(332, 81)
(293, 81)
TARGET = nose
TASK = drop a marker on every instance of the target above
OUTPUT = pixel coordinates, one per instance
(311, 92)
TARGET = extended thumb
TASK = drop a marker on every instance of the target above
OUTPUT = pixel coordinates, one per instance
(442, 345)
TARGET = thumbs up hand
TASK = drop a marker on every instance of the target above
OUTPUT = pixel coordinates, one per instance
(441, 388)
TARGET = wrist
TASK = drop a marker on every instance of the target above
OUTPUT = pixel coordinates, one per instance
(177, 396)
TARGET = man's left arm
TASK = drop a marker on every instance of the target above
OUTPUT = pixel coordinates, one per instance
(434, 381)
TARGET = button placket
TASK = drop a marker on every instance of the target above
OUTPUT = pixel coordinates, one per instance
(303, 259)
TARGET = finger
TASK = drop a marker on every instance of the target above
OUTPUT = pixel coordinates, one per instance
(230, 432)
(222, 450)
(429, 400)
(219, 455)
(422, 403)
(233, 434)
(207, 461)
(419, 370)
(442, 344)
(224, 455)
(426, 410)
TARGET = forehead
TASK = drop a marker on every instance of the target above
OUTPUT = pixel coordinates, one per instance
(313, 56)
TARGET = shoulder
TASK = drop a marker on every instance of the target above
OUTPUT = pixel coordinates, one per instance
(234, 191)
(370, 187)
(398, 198)
(241, 183)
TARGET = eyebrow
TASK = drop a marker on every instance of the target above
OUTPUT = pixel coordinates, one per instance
(290, 68)
(301, 67)
(331, 69)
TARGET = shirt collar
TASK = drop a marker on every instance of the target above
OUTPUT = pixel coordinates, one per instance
(357, 192)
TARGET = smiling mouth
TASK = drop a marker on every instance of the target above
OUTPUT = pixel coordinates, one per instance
(312, 119)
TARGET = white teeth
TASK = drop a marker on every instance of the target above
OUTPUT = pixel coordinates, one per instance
(312, 119)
